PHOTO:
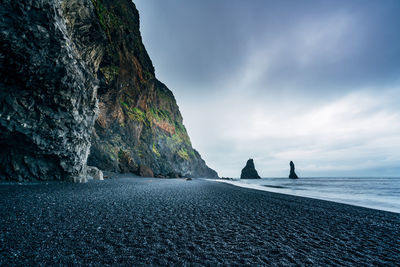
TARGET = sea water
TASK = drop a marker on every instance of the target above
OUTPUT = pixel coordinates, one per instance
(377, 193)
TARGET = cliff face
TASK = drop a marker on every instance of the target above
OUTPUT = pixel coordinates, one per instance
(47, 94)
(56, 57)
(139, 121)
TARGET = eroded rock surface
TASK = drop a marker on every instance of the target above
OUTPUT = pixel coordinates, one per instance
(47, 94)
(145, 171)
(139, 121)
(54, 56)
(249, 171)
(94, 173)
(292, 174)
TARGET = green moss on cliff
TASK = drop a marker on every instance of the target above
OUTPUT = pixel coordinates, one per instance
(161, 115)
(137, 115)
(110, 72)
(134, 113)
(124, 104)
(108, 20)
(183, 154)
(155, 151)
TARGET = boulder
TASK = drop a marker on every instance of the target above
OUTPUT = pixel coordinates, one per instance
(94, 173)
(292, 174)
(145, 171)
(249, 171)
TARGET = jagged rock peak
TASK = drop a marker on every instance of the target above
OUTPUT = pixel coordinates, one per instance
(292, 174)
(249, 171)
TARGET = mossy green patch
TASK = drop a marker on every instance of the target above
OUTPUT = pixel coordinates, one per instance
(161, 115)
(124, 104)
(180, 128)
(134, 113)
(137, 115)
(183, 154)
(155, 151)
(107, 19)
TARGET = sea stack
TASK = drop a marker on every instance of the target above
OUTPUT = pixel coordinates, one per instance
(249, 171)
(292, 174)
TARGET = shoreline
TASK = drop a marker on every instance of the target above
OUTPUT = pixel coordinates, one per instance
(276, 189)
(152, 221)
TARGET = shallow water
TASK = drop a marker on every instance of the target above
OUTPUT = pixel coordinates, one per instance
(377, 193)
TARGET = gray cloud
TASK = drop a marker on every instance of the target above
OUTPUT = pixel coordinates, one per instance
(312, 81)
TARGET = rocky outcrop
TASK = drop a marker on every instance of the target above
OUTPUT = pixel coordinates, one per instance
(56, 56)
(145, 171)
(292, 174)
(249, 171)
(139, 122)
(94, 173)
(47, 92)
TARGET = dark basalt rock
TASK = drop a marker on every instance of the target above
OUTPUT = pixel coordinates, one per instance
(54, 56)
(292, 174)
(145, 171)
(174, 175)
(249, 171)
(48, 99)
(139, 120)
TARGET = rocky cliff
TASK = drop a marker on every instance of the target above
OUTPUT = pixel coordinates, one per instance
(55, 55)
(139, 121)
(47, 93)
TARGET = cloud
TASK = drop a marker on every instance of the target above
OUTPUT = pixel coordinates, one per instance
(315, 82)
(354, 132)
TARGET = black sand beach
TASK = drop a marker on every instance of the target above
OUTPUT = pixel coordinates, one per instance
(136, 221)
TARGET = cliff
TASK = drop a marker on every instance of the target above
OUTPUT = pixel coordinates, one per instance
(139, 121)
(59, 58)
(47, 94)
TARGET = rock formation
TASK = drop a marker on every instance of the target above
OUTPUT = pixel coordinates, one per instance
(94, 173)
(249, 171)
(47, 93)
(139, 122)
(292, 174)
(57, 57)
(145, 171)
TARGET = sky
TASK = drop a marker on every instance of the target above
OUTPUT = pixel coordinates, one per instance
(315, 82)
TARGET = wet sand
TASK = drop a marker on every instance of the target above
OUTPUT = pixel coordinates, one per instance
(143, 221)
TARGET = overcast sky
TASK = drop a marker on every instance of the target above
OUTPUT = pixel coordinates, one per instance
(316, 82)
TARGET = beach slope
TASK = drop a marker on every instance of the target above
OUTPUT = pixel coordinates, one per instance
(138, 221)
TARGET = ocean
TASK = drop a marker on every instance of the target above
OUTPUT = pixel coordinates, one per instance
(380, 193)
